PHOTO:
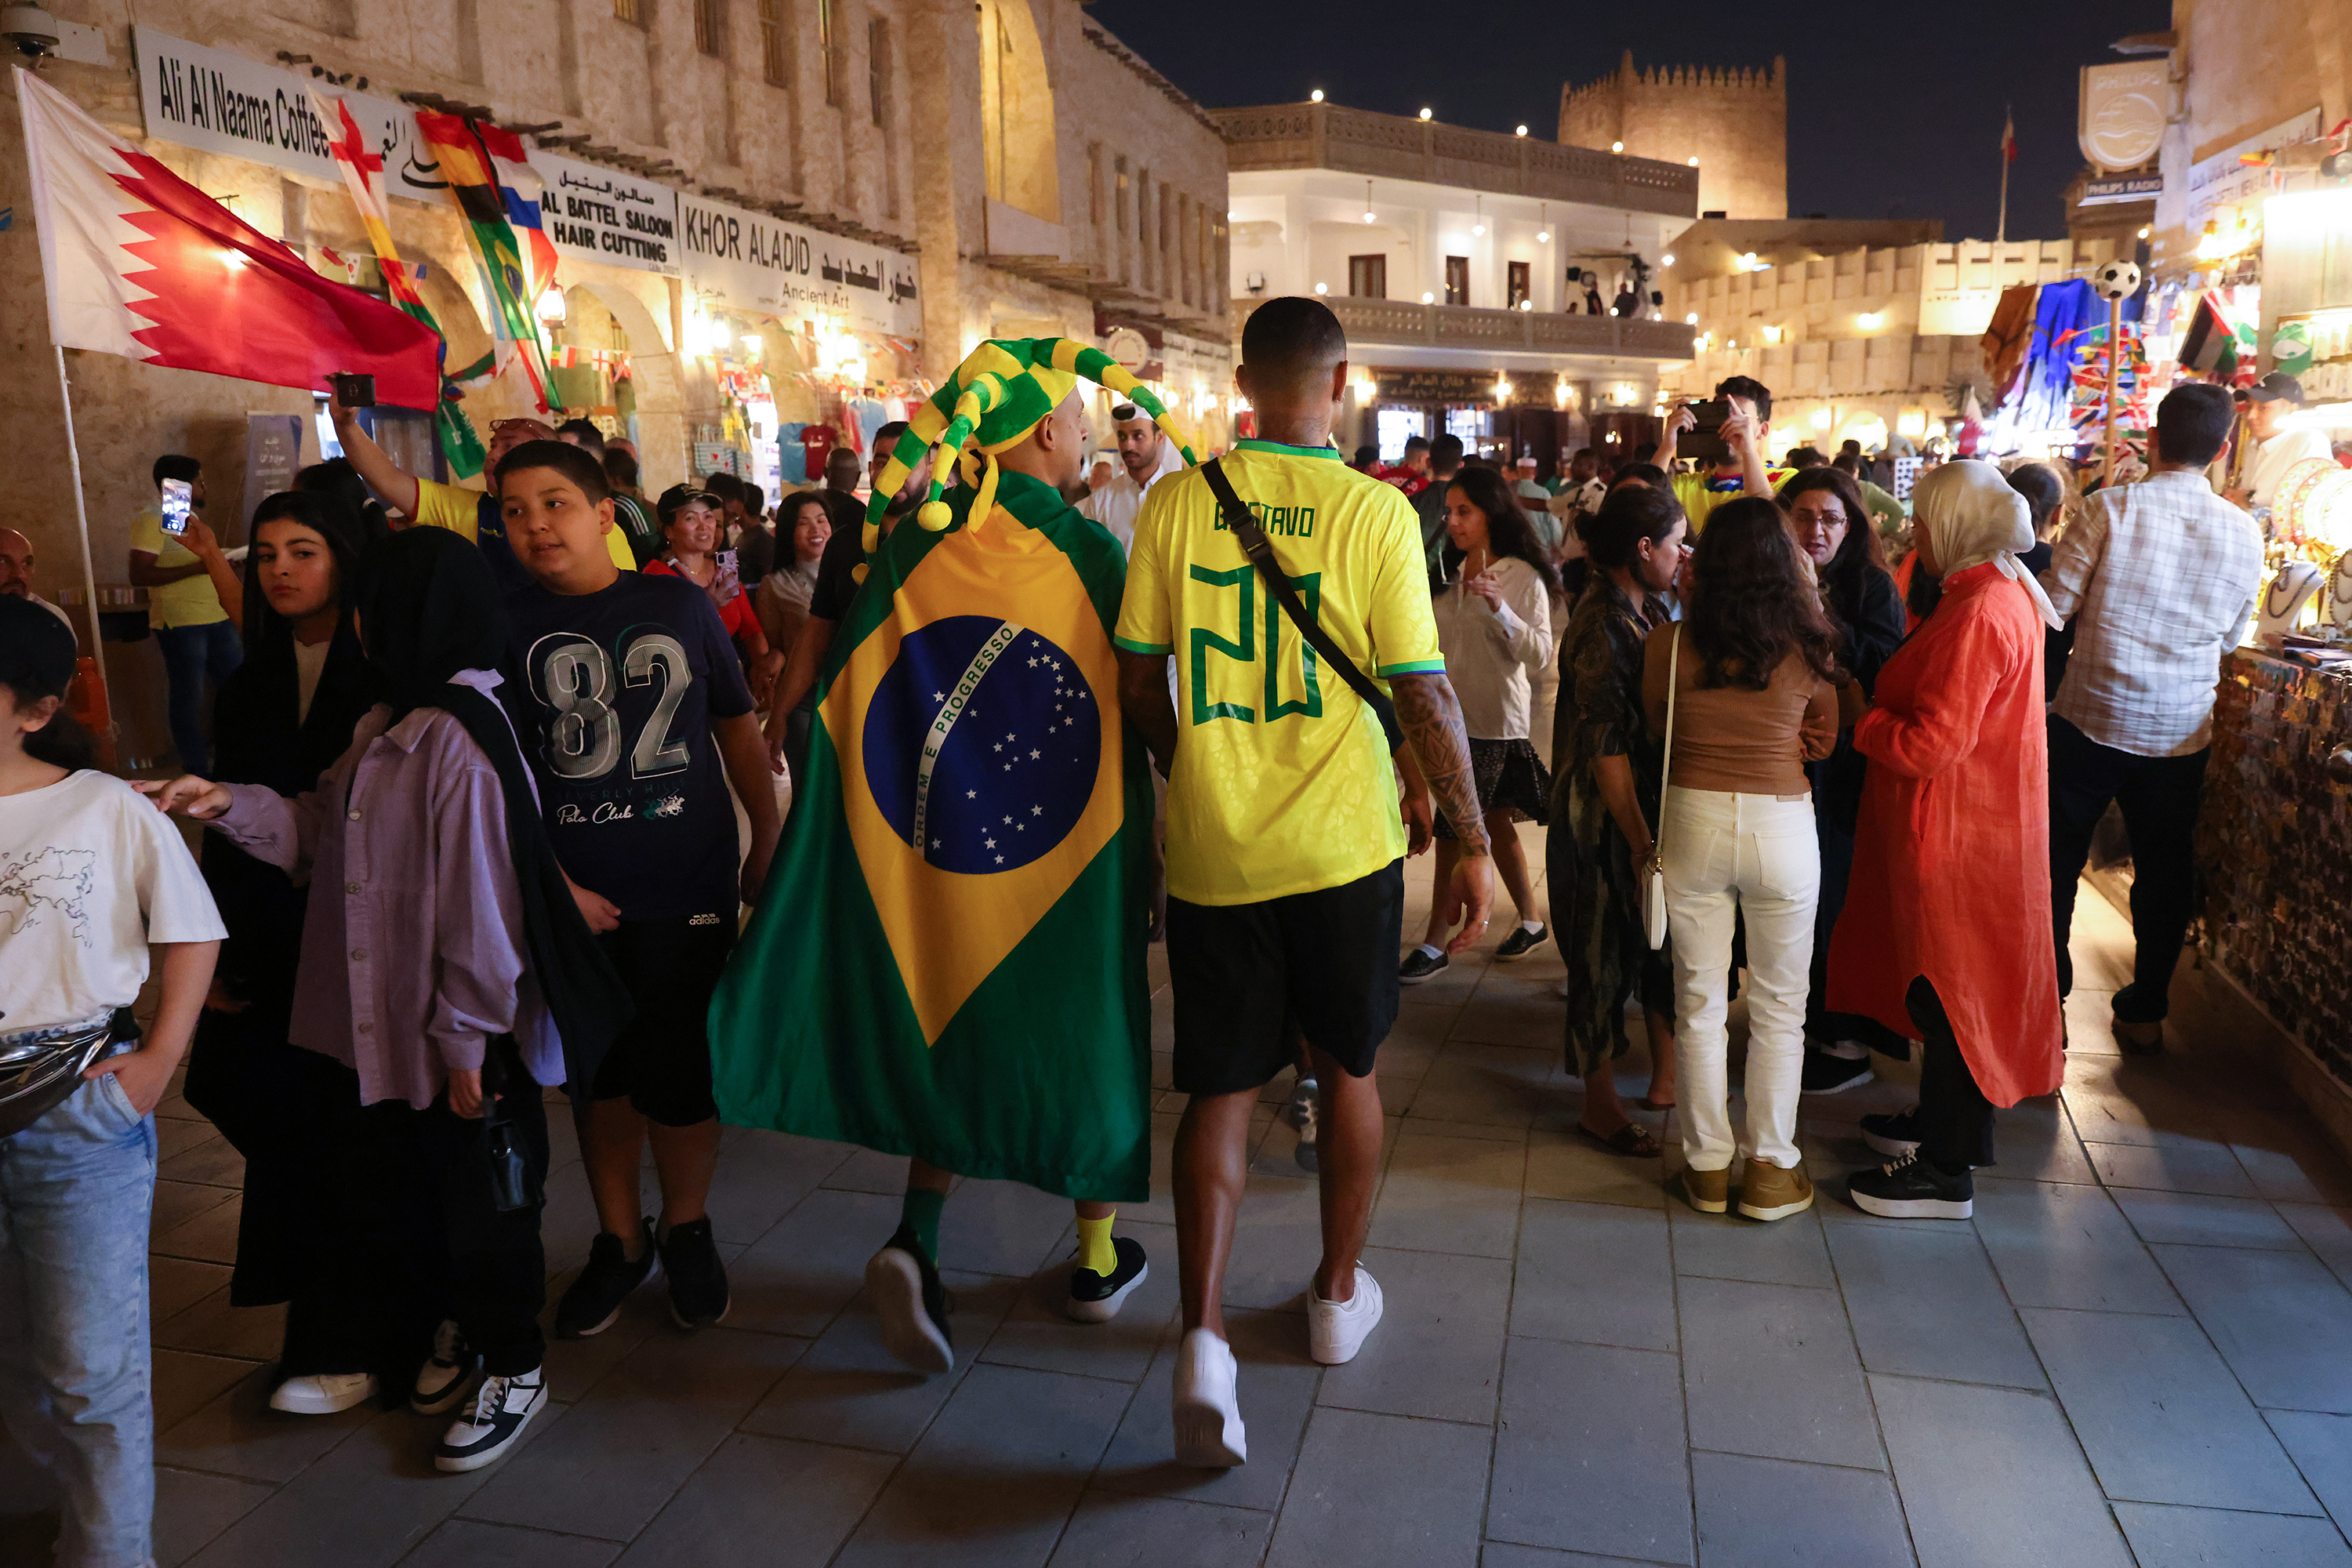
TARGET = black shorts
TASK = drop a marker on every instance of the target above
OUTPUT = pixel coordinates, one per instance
(1244, 975)
(660, 1062)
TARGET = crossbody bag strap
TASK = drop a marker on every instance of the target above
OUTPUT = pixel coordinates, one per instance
(1260, 550)
(1666, 768)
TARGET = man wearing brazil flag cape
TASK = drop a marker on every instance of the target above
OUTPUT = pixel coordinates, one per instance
(948, 960)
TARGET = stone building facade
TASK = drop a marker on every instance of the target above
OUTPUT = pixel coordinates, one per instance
(1862, 329)
(1732, 124)
(871, 120)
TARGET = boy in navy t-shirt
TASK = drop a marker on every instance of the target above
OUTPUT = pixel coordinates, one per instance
(634, 717)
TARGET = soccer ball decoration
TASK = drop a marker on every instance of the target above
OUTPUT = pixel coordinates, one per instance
(2116, 280)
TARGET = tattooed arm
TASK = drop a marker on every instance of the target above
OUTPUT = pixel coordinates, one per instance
(1431, 720)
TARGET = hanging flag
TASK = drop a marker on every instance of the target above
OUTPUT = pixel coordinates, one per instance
(518, 189)
(464, 163)
(138, 262)
(363, 168)
(2009, 137)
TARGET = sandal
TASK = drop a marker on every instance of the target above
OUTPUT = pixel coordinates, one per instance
(1633, 1139)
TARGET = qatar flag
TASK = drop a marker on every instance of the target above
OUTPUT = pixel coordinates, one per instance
(138, 262)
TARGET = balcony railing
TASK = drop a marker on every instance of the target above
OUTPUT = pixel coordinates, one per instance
(1358, 142)
(1398, 321)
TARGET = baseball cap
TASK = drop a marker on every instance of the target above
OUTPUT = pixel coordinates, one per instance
(2275, 386)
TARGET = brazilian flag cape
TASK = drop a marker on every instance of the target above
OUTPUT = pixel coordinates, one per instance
(947, 960)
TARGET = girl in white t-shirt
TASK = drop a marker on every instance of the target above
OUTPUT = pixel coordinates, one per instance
(91, 878)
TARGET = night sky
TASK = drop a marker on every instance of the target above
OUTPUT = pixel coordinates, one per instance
(1893, 112)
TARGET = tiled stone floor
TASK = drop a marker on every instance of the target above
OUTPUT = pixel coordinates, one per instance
(2140, 1350)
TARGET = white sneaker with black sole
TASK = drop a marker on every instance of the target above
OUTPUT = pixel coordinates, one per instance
(501, 1408)
(446, 1375)
(1097, 1297)
(322, 1392)
(1206, 1411)
(1335, 1330)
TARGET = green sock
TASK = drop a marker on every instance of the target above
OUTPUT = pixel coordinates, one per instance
(918, 1220)
(1095, 1251)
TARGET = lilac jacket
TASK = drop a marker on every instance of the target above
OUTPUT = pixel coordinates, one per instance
(413, 950)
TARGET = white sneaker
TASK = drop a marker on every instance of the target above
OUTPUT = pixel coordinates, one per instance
(492, 1422)
(323, 1393)
(1207, 1414)
(1335, 1330)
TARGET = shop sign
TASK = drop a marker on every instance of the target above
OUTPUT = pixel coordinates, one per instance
(752, 261)
(2124, 188)
(607, 214)
(1466, 388)
(219, 102)
(2221, 181)
(2122, 109)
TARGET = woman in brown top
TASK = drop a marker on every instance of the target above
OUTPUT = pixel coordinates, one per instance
(1756, 682)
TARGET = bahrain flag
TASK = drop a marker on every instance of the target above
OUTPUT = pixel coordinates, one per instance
(138, 262)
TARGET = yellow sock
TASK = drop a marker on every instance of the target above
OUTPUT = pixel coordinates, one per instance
(1095, 1251)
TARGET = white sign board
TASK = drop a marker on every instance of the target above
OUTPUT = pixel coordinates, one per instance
(219, 102)
(607, 214)
(2123, 110)
(2221, 181)
(752, 261)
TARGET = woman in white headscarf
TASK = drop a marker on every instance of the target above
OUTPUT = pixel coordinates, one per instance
(1944, 934)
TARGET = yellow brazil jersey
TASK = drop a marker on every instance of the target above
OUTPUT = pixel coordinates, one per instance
(1700, 498)
(190, 600)
(1283, 783)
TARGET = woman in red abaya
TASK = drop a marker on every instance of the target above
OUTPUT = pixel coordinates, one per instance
(1945, 930)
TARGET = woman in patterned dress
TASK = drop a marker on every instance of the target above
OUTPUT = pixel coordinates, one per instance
(1606, 766)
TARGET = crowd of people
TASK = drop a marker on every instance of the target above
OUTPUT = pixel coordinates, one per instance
(489, 780)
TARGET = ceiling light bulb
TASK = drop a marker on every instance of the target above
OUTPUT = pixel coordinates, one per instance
(1691, 320)
(1322, 288)
(1315, 97)
(2143, 232)
(1477, 228)
(1368, 215)
(1429, 299)
(1667, 260)
(1521, 131)
(1543, 237)
(1526, 304)
(1871, 320)
(1694, 163)
(1616, 146)
(1425, 114)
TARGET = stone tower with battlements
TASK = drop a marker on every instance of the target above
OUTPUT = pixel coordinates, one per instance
(1734, 121)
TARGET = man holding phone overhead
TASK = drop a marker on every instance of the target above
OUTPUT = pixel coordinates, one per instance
(173, 556)
(1728, 437)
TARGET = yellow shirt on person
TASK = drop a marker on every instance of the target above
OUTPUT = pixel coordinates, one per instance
(1699, 497)
(189, 602)
(458, 509)
(1283, 783)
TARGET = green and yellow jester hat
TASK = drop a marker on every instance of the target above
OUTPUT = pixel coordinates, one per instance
(1002, 390)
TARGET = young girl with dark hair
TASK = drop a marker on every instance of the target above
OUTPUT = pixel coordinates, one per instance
(1751, 672)
(282, 719)
(1494, 625)
(92, 883)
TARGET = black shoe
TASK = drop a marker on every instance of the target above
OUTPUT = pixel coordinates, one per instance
(1305, 1112)
(1897, 1135)
(1420, 964)
(698, 1279)
(1522, 942)
(1911, 1188)
(912, 1303)
(594, 1299)
(493, 1422)
(1097, 1297)
(446, 1375)
(1826, 1074)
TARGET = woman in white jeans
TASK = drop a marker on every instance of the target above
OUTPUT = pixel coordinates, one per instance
(1757, 690)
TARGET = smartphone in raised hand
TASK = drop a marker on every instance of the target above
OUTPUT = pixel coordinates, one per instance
(179, 497)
